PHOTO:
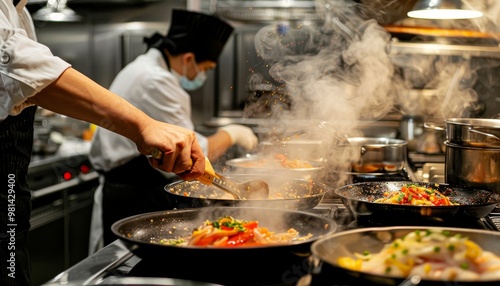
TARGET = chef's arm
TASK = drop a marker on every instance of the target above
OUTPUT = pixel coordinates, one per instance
(218, 144)
(75, 95)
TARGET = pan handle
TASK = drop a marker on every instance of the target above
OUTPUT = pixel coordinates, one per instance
(433, 126)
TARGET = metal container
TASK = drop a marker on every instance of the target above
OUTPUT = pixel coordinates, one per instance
(473, 132)
(374, 155)
(472, 166)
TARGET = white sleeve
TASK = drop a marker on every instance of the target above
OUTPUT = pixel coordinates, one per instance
(26, 67)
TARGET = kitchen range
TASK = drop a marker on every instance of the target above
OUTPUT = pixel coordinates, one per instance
(408, 106)
(117, 264)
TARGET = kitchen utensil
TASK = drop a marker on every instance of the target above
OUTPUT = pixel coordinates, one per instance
(141, 234)
(285, 193)
(327, 250)
(472, 202)
(254, 189)
(472, 166)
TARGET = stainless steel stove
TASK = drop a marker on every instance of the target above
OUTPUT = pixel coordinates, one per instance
(115, 264)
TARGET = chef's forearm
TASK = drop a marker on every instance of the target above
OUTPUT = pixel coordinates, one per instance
(92, 103)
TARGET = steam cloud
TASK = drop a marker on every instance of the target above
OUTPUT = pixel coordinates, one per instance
(342, 72)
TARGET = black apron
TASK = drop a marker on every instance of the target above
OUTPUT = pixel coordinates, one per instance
(16, 137)
(131, 189)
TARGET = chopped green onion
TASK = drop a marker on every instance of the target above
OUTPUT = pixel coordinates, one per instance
(464, 265)
(451, 247)
(366, 252)
(437, 249)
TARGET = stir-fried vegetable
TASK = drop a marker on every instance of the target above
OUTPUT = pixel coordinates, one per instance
(230, 232)
(415, 195)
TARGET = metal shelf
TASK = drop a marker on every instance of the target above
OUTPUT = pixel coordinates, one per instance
(398, 48)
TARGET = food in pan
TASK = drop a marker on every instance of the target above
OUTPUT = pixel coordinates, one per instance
(286, 190)
(430, 254)
(415, 195)
(278, 161)
(230, 232)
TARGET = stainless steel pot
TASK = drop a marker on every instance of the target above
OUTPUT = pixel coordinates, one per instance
(472, 166)
(474, 132)
(373, 155)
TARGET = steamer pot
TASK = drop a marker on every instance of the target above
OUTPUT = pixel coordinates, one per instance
(473, 132)
(472, 166)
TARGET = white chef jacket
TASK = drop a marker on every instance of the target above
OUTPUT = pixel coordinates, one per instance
(147, 84)
(26, 67)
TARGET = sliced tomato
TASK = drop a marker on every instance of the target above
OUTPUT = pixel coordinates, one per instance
(251, 225)
(205, 241)
(223, 227)
(239, 239)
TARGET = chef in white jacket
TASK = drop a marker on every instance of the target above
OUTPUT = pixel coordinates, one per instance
(156, 82)
(31, 75)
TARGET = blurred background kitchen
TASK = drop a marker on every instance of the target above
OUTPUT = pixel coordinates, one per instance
(430, 71)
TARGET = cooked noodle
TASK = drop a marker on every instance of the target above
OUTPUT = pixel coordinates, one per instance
(230, 232)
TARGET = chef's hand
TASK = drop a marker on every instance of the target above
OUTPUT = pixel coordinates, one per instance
(241, 135)
(176, 150)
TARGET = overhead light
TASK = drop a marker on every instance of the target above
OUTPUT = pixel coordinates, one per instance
(442, 9)
(57, 11)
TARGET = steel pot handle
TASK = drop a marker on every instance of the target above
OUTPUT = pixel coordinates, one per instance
(433, 126)
(471, 129)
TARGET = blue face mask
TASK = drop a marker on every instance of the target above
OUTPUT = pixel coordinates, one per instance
(188, 84)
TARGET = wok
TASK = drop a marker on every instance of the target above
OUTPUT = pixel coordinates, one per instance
(327, 250)
(142, 232)
(473, 203)
(285, 193)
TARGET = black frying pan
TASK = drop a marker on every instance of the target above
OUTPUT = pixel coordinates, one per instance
(142, 232)
(285, 193)
(358, 198)
(227, 266)
(326, 252)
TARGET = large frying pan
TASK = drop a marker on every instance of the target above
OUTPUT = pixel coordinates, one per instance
(326, 252)
(285, 193)
(473, 203)
(142, 232)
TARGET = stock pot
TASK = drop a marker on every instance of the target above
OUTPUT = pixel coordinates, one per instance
(472, 166)
(373, 155)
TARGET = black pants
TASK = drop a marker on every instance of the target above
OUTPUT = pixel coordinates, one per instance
(132, 189)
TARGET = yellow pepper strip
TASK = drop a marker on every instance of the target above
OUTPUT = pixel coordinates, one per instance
(473, 250)
(350, 263)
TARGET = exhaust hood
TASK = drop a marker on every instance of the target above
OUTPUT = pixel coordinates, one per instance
(267, 10)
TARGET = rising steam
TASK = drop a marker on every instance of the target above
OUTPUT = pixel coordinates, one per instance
(342, 72)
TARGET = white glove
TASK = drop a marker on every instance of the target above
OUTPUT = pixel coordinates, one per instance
(241, 135)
